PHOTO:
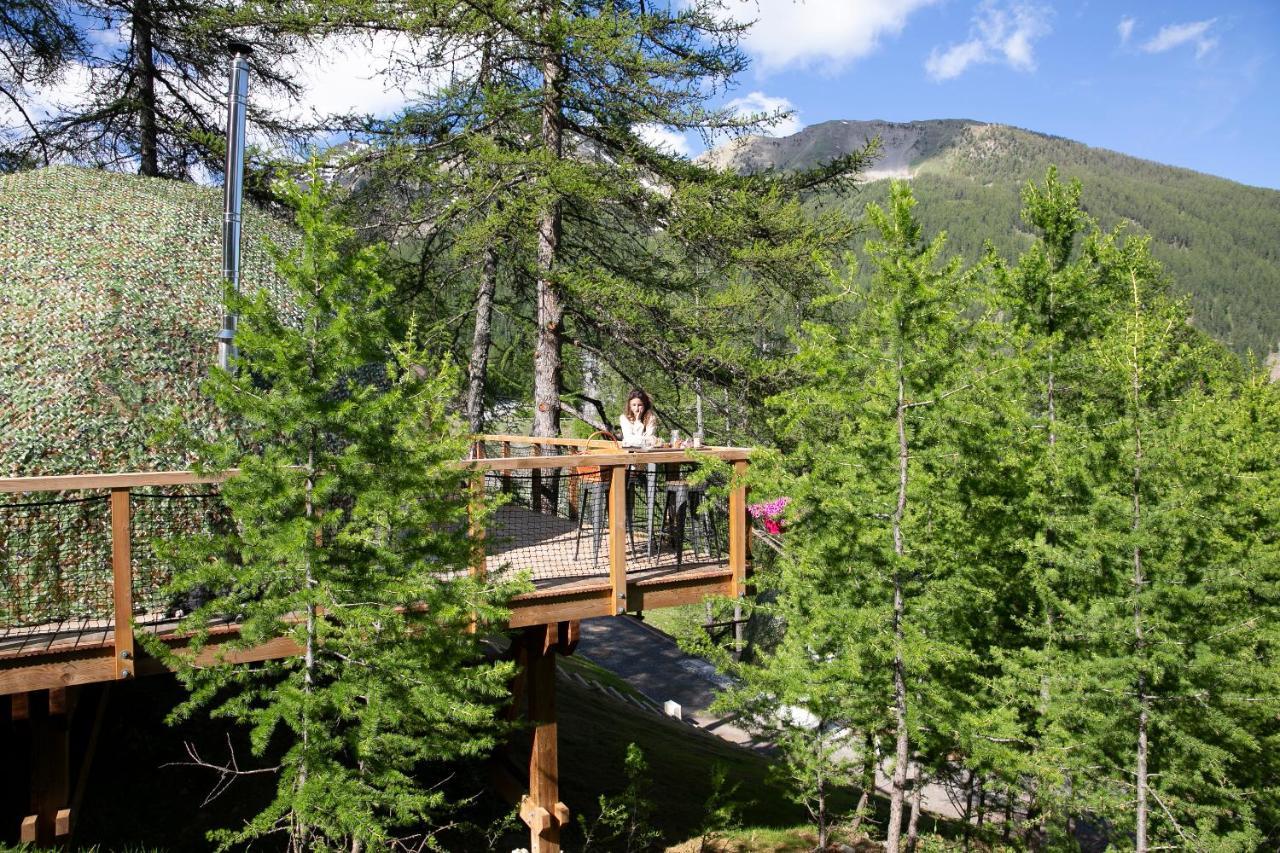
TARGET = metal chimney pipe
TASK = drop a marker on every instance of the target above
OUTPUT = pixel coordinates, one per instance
(233, 194)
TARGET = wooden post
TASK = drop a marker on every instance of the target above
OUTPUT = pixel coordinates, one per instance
(738, 533)
(50, 765)
(540, 810)
(122, 579)
(475, 525)
(618, 536)
(506, 475)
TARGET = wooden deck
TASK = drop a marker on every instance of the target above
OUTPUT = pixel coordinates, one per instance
(571, 579)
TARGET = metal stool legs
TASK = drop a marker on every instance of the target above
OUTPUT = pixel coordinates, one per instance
(598, 494)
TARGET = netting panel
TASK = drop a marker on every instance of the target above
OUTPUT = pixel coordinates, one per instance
(165, 516)
(55, 561)
(555, 522)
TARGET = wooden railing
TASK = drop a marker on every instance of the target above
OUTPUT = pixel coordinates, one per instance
(119, 486)
(614, 462)
(114, 622)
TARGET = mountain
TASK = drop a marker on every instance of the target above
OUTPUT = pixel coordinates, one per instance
(1219, 240)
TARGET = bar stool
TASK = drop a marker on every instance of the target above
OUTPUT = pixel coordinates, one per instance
(649, 478)
(702, 510)
(597, 492)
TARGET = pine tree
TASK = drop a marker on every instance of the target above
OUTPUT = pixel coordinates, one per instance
(155, 100)
(606, 237)
(349, 542)
(883, 573)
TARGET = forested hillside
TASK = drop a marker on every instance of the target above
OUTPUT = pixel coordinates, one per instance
(1216, 239)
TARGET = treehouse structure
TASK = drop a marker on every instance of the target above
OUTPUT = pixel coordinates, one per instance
(600, 532)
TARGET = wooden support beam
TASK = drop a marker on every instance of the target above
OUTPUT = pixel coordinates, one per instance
(58, 702)
(738, 532)
(536, 818)
(27, 833)
(20, 707)
(567, 636)
(122, 582)
(475, 523)
(618, 537)
(50, 770)
(544, 767)
(62, 826)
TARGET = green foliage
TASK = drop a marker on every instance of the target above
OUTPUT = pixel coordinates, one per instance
(624, 822)
(882, 597)
(661, 268)
(1038, 537)
(1215, 238)
(349, 542)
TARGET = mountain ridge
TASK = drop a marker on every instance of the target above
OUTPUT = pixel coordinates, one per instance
(1217, 238)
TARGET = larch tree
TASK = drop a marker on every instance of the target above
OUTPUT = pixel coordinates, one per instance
(37, 41)
(154, 87)
(877, 525)
(1168, 674)
(347, 539)
(604, 236)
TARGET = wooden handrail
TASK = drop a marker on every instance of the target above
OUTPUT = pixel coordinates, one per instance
(620, 457)
(557, 442)
(118, 480)
(137, 479)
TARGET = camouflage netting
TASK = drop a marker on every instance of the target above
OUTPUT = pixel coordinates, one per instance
(110, 298)
(109, 303)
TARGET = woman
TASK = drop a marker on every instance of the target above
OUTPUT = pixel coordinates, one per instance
(639, 423)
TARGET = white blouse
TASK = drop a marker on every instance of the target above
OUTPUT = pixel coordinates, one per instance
(639, 433)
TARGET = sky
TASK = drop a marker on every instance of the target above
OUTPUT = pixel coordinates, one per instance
(1192, 84)
(1189, 83)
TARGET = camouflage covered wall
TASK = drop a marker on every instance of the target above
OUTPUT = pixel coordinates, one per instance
(110, 298)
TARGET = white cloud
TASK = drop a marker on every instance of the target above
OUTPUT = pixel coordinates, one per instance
(999, 33)
(955, 59)
(1176, 35)
(342, 75)
(1125, 28)
(664, 138)
(758, 103)
(1204, 46)
(824, 34)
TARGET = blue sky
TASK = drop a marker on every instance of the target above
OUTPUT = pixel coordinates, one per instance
(1193, 84)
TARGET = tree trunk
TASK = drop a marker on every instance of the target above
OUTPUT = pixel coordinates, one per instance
(547, 354)
(591, 387)
(145, 68)
(822, 794)
(913, 823)
(1140, 843)
(897, 790)
(867, 783)
(478, 367)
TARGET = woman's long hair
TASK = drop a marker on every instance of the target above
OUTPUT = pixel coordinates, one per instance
(637, 394)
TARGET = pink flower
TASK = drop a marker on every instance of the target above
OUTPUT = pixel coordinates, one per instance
(770, 513)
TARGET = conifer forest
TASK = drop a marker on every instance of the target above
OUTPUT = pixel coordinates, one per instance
(1014, 505)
